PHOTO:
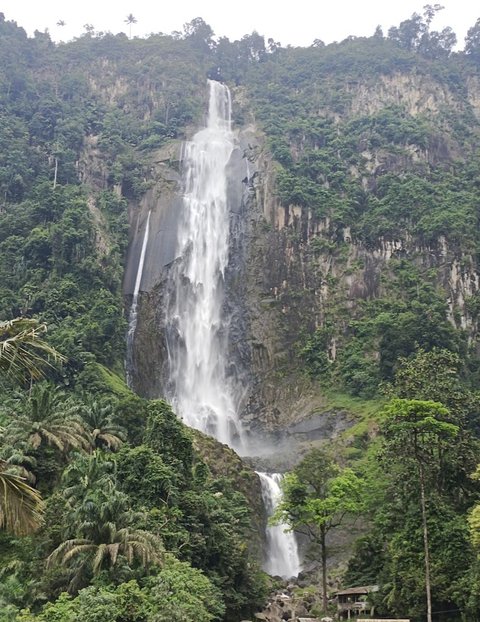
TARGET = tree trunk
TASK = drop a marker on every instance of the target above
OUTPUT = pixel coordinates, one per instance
(425, 543)
(323, 547)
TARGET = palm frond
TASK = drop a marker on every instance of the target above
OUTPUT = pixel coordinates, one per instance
(70, 549)
(101, 552)
(21, 506)
(24, 354)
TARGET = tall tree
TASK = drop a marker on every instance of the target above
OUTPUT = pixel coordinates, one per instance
(24, 355)
(48, 417)
(103, 532)
(130, 19)
(417, 433)
(98, 417)
(472, 40)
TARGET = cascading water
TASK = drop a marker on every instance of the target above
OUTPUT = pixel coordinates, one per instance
(133, 315)
(201, 390)
(202, 393)
(283, 559)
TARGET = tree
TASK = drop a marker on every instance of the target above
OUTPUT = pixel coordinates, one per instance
(130, 19)
(103, 534)
(103, 432)
(24, 355)
(435, 375)
(409, 32)
(317, 497)
(200, 34)
(472, 40)
(87, 473)
(48, 417)
(418, 432)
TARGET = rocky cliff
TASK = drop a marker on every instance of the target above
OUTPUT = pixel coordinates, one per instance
(300, 268)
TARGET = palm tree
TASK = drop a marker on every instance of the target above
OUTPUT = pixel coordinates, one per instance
(103, 535)
(103, 432)
(61, 23)
(21, 506)
(130, 20)
(24, 355)
(87, 473)
(48, 416)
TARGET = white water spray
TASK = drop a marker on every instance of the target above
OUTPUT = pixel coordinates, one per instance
(197, 331)
(282, 552)
(133, 315)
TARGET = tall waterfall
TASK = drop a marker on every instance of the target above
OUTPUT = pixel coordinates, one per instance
(203, 395)
(132, 316)
(282, 553)
(201, 390)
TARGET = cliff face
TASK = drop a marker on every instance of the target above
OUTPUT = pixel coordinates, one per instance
(293, 271)
(304, 271)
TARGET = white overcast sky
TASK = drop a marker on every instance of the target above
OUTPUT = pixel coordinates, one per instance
(295, 22)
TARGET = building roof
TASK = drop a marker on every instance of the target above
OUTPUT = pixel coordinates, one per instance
(365, 589)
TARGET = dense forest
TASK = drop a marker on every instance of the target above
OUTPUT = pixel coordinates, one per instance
(110, 508)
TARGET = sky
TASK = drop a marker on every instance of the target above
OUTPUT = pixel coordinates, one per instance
(294, 22)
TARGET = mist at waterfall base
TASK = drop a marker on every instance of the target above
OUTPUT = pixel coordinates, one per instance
(200, 389)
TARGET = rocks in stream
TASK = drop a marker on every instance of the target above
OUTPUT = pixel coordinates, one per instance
(288, 605)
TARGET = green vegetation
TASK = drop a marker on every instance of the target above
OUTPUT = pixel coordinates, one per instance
(107, 509)
(420, 494)
(113, 508)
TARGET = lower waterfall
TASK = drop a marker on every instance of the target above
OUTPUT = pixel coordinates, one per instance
(282, 553)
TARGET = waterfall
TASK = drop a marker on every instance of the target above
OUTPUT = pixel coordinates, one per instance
(132, 316)
(201, 389)
(202, 392)
(282, 552)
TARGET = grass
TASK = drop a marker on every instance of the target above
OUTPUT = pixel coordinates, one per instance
(115, 383)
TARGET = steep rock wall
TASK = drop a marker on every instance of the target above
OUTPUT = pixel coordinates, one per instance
(299, 268)
(302, 269)
(290, 269)
(163, 202)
